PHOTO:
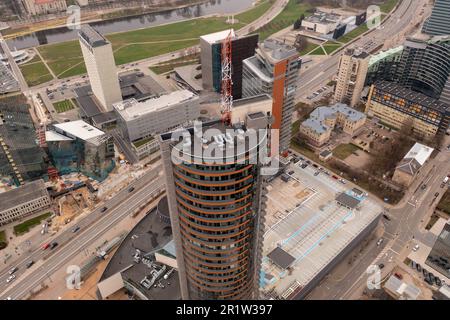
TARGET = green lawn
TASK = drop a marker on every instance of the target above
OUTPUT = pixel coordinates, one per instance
(254, 13)
(444, 204)
(25, 226)
(286, 18)
(354, 33)
(330, 48)
(63, 106)
(3, 241)
(318, 52)
(35, 73)
(310, 47)
(179, 62)
(342, 151)
(388, 5)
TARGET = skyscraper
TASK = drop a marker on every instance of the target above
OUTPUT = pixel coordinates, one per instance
(425, 65)
(211, 58)
(351, 77)
(101, 68)
(215, 189)
(438, 24)
(274, 70)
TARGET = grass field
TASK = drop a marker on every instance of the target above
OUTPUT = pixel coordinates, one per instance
(342, 151)
(35, 72)
(286, 18)
(354, 33)
(444, 204)
(388, 5)
(310, 47)
(318, 52)
(66, 60)
(330, 48)
(254, 13)
(25, 226)
(179, 62)
(63, 106)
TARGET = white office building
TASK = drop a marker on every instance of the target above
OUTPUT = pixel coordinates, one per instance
(101, 68)
(139, 120)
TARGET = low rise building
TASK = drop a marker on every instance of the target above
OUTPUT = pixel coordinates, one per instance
(321, 22)
(396, 105)
(23, 201)
(400, 290)
(37, 7)
(411, 164)
(77, 146)
(317, 129)
(140, 120)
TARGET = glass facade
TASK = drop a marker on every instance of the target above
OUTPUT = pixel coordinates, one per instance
(439, 257)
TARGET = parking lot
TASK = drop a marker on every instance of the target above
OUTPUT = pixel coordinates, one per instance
(304, 220)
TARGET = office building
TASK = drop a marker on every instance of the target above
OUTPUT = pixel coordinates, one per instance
(77, 146)
(101, 68)
(351, 76)
(21, 158)
(425, 66)
(439, 257)
(217, 204)
(396, 106)
(410, 166)
(318, 127)
(139, 120)
(274, 70)
(437, 24)
(39, 7)
(384, 65)
(321, 22)
(23, 201)
(211, 59)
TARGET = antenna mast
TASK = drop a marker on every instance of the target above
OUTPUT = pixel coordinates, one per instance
(227, 81)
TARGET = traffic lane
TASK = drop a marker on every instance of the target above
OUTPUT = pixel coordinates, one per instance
(63, 255)
(67, 235)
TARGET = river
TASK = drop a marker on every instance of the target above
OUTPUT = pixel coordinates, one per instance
(132, 23)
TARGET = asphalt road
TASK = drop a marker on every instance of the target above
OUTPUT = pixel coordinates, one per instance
(91, 226)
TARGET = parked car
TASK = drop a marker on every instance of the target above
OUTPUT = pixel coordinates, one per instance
(386, 217)
(53, 245)
(10, 278)
(380, 241)
(76, 229)
(398, 275)
(416, 247)
(381, 266)
(131, 189)
(45, 246)
(104, 209)
(29, 264)
(13, 270)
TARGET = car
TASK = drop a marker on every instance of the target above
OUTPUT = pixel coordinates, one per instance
(342, 181)
(10, 278)
(386, 217)
(442, 184)
(380, 241)
(304, 166)
(13, 270)
(315, 165)
(398, 275)
(381, 266)
(291, 172)
(416, 247)
(104, 209)
(45, 246)
(29, 264)
(316, 173)
(335, 177)
(436, 194)
(53, 245)
(131, 189)
(77, 228)
(423, 187)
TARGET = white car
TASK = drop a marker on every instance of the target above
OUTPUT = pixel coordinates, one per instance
(416, 247)
(11, 278)
(380, 241)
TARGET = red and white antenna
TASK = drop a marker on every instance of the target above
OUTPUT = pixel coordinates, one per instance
(227, 81)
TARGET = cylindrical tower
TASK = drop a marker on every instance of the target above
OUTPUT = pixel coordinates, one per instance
(217, 214)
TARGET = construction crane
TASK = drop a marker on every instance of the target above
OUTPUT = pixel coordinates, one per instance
(227, 81)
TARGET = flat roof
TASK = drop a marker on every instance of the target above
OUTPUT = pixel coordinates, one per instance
(420, 152)
(28, 192)
(80, 129)
(217, 36)
(281, 258)
(347, 200)
(188, 73)
(92, 36)
(131, 108)
(410, 95)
